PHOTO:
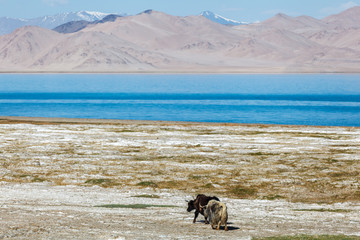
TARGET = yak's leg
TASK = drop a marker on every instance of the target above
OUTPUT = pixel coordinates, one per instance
(218, 226)
(206, 221)
(212, 226)
(196, 215)
(226, 227)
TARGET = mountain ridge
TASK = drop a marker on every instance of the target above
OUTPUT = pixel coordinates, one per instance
(7, 25)
(63, 21)
(154, 41)
(75, 26)
(220, 19)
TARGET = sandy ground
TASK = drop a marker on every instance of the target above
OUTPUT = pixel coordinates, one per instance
(46, 165)
(43, 211)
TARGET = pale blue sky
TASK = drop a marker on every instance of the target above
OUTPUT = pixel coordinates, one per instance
(242, 10)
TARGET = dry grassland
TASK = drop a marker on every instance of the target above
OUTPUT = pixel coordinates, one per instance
(295, 163)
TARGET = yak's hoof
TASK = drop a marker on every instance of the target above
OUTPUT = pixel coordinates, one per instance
(226, 228)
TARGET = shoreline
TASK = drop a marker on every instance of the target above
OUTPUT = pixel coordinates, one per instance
(56, 120)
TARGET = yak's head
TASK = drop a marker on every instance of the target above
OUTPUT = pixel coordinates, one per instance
(190, 205)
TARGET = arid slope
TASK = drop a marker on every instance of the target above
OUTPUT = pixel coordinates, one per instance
(157, 42)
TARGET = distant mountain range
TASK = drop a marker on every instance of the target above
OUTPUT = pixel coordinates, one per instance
(75, 21)
(154, 41)
(7, 25)
(75, 26)
(220, 19)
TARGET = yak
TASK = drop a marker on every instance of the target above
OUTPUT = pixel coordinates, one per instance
(200, 200)
(217, 213)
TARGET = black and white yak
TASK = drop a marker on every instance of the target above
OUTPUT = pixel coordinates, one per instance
(217, 213)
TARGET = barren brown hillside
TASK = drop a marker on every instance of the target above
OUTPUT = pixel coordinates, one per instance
(157, 42)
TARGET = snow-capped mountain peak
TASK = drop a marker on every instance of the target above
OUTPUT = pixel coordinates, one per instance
(91, 15)
(8, 25)
(220, 19)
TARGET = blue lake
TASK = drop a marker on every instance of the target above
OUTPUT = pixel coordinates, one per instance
(299, 99)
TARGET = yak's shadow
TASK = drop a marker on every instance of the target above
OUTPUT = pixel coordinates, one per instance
(230, 228)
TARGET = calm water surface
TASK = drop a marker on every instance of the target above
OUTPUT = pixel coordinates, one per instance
(329, 100)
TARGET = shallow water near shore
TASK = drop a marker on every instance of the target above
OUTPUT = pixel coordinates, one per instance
(295, 99)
